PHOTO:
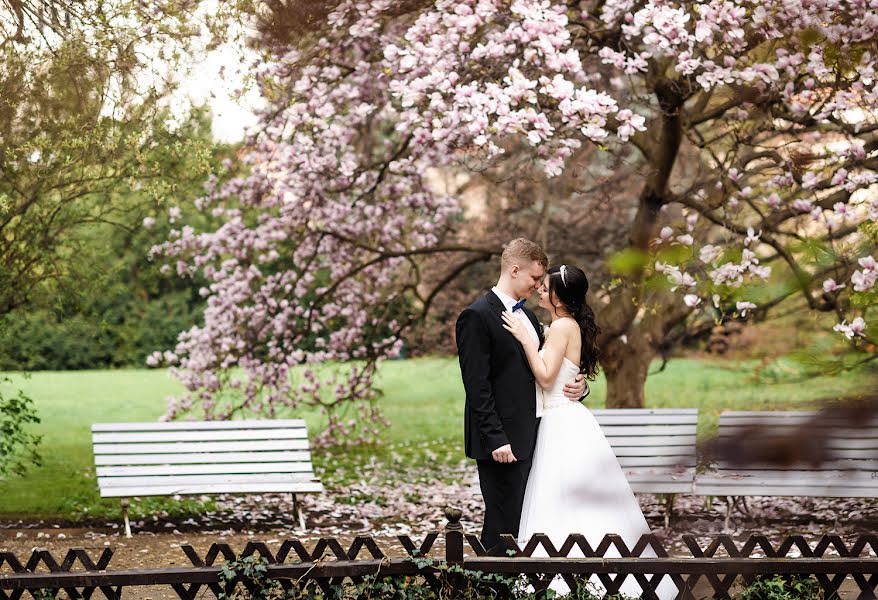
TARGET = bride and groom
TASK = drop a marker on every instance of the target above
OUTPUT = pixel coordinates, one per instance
(544, 465)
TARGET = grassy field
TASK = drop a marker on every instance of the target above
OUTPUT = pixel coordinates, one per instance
(423, 400)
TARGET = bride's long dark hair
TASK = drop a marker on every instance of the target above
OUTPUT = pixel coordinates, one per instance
(571, 290)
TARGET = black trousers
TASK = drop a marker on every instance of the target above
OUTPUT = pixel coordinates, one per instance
(503, 486)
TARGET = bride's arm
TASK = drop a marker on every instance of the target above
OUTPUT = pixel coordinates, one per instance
(545, 368)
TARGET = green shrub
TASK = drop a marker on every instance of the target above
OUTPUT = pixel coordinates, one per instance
(780, 587)
(18, 446)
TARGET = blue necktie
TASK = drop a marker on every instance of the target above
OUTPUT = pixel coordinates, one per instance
(518, 304)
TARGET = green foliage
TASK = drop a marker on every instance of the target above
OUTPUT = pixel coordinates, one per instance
(112, 331)
(18, 446)
(790, 587)
(628, 261)
(252, 572)
(110, 305)
(87, 151)
(246, 578)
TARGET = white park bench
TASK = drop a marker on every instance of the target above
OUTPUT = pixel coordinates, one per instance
(203, 457)
(655, 448)
(849, 467)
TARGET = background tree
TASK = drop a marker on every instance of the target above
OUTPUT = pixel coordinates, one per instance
(111, 306)
(89, 141)
(752, 134)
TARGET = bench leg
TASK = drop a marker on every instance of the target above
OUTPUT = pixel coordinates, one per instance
(669, 509)
(297, 512)
(125, 517)
(730, 504)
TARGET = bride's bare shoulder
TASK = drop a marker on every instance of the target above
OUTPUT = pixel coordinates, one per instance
(565, 327)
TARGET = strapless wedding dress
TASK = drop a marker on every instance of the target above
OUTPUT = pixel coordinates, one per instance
(577, 486)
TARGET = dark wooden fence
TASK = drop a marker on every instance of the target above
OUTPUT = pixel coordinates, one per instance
(707, 571)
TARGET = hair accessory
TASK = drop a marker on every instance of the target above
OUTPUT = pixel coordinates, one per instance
(563, 270)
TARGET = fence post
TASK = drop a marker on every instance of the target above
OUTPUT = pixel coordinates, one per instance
(454, 552)
(453, 537)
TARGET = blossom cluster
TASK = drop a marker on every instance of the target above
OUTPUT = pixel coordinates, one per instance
(320, 240)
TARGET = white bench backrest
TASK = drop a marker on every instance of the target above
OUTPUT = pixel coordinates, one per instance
(203, 457)
(651, 438)
(847, 447)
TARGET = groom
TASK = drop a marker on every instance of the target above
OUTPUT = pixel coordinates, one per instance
(500, 419)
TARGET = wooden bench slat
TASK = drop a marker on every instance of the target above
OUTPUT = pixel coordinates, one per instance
(648, 430)
(219, 488)
(646, 419)
(644, 411)
(751, 488)
(197, 480)
(793, 421)
(653, 441)
(799, 474)
(198, 436)
(652, 451)
(645, 478)
(834, 441)
(202, 469)
(869, 465)
(201, 458)
(668, 486)
(630, 462)
(198, 425)
(197, 447)
(782, 414)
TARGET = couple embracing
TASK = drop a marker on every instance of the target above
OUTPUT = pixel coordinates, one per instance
(544, 465)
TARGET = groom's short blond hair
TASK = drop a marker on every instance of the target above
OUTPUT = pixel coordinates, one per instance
(522, 252)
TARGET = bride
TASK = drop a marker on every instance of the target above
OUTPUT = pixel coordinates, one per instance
(576, 484)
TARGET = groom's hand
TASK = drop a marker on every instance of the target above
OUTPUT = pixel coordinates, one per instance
(504, 454)
(577, 390)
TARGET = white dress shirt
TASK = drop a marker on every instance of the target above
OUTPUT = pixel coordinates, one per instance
(508, 303)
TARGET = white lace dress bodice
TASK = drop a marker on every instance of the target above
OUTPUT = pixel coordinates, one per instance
(554, 397)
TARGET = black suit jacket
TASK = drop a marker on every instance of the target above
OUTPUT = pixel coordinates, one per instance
(500, 387)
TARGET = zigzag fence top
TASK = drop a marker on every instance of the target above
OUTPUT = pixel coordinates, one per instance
(707, 571)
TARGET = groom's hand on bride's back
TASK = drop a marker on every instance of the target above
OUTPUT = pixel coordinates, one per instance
(504, 454)
(577, 390)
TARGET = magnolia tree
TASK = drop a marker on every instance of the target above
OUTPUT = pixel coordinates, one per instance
(771, 105)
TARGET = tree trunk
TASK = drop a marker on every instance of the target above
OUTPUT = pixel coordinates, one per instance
(625, 366)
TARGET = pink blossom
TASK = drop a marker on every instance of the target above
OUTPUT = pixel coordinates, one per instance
(864, 280)
(773, 200)
(312, 241)
(743, 306)
(691, 300)
(709, 253)
(830, 286)
(856, 328)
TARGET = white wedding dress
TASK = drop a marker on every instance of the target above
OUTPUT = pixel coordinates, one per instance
(577, 486)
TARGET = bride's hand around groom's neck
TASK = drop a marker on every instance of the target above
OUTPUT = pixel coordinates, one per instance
(516, 327)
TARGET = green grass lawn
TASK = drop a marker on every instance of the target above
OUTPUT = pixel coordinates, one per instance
(423, 401)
